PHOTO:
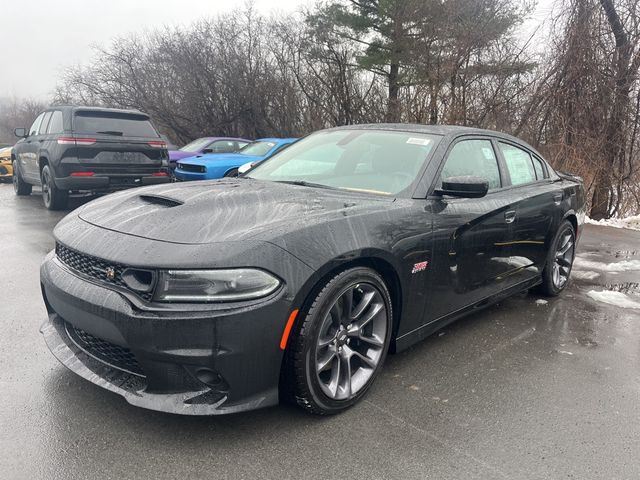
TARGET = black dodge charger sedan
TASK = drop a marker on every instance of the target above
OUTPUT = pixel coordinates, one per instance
(295, 280)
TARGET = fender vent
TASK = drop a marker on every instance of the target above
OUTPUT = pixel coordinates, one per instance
(160, 200)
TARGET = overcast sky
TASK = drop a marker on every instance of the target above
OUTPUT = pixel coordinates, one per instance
(42, 39)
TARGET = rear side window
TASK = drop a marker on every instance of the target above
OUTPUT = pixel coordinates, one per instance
(475, 158)
(112, 123)
(55, 124)
(537, 166)
(45, 123)
(519, 164)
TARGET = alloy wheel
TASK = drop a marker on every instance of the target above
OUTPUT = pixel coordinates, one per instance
(46, 190)
(563, 259)
(351, 341)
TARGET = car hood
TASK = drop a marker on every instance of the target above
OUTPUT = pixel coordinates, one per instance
(224, 210)
(220, 157)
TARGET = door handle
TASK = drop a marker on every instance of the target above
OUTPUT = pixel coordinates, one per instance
(557, 198)
(510, 216)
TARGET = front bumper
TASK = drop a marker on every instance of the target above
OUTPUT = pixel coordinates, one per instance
(186, 176)
(217, 360)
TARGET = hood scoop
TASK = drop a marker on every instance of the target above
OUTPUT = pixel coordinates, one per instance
(161, 200)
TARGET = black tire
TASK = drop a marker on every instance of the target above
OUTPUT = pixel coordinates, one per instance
(232, 173)
(557, 269)
(303, 380)
(54, 198)
(20, 187)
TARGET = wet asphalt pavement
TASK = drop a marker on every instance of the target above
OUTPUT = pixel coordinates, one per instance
(520, 390)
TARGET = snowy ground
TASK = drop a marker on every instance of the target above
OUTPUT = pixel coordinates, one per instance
(632, 223)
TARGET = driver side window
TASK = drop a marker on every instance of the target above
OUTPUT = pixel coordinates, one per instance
(473, 158)
(36, 125)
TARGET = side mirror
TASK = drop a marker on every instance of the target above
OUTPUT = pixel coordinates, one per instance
(465, 187)
(20, 132)
(207, 150)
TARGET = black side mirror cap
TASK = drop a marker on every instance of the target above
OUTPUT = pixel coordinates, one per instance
(465, 187)
(20, 132)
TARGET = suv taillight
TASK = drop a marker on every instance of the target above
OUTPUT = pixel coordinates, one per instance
(76, 141)
(157, 144)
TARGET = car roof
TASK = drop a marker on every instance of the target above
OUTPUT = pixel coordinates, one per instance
(443, 130)
(77, 108)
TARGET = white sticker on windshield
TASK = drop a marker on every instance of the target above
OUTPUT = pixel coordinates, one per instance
(419, 141)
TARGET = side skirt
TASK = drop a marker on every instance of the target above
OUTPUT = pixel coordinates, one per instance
(420, 333)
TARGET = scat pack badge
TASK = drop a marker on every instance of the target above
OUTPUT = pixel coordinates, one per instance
(419, 267)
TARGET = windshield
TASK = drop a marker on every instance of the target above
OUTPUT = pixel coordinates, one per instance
(197, 145)
(257, 148)
(375, 161)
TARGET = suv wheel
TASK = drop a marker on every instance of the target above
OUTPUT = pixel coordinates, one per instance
(19, 185)
(54, 198)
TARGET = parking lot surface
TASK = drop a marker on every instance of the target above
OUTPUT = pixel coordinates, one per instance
(529, 388)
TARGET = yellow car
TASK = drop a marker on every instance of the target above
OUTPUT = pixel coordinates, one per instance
(6, 170)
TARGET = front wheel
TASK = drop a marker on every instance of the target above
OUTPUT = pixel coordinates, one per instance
(54, 198)
(341, 343)
(555, 275)
(232, 173)
(20, 187)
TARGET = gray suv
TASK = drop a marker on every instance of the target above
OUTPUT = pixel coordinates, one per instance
(85, 149)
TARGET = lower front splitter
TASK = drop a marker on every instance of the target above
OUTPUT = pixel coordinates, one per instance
(132, 387)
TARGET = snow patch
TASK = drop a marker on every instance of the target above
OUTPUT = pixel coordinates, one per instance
(631, 223)
(584, 274)
(623, 266)
(541, 301)
(618, 299)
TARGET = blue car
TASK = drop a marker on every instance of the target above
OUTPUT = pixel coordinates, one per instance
(208, 167)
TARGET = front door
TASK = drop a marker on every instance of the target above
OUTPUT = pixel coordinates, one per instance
(27, 152)
(472, 249)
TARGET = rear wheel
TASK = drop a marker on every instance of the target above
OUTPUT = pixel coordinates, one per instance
(342, 342)
(232, 173)
(20, 187)
(557, 270)
(54, 198)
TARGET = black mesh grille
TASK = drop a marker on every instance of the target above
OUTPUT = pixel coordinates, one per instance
(114, 355)
(192, 168)
(107, 272)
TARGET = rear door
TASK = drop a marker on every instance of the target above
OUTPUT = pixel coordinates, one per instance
(472, 236)
(116, 143)
(537, 201)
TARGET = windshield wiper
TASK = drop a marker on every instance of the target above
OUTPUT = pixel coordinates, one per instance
(112, 132)
(304, 183)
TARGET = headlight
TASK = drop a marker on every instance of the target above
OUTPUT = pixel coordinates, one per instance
(214, 285)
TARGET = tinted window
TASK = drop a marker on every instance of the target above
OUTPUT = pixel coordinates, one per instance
(475, 158)
(258, 148)
(196, 145)
(222, 146)
(36, 124)
(375, 161)
(110, 123)
(55, 124)
(45, 123)
(519, 164)
(537, 165)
